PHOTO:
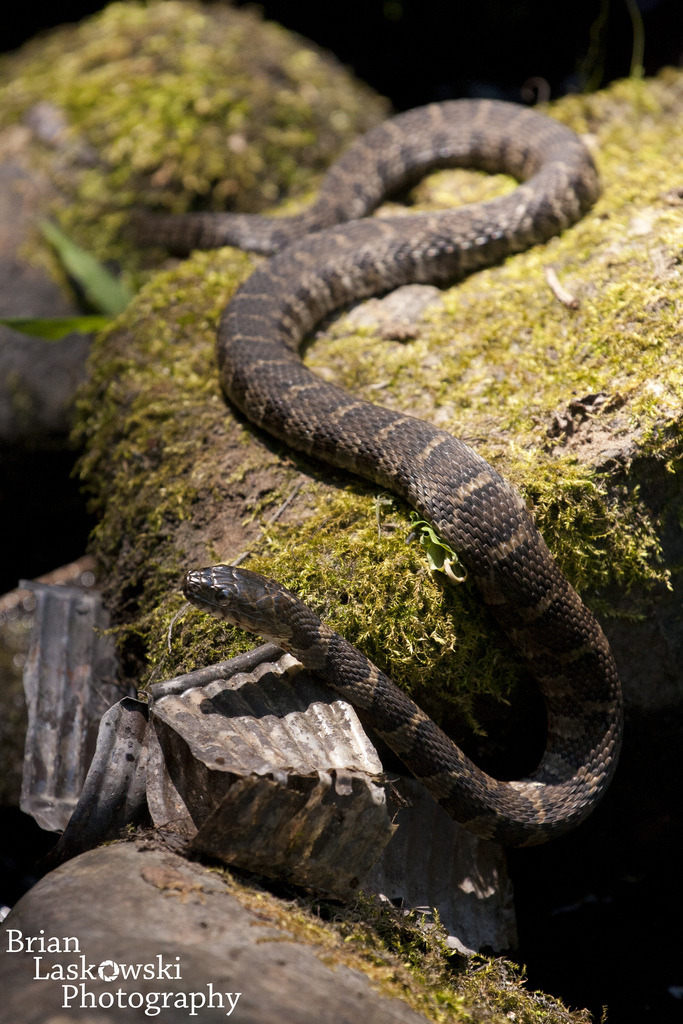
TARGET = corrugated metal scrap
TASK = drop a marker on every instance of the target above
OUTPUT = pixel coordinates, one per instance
(250, 761)
(115, 790)
(70, 681)
(269, 771)
(433, 863)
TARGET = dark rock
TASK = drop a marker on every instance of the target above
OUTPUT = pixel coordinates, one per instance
(127, 905)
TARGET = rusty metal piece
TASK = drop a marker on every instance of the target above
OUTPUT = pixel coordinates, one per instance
(268, 770)
(321, 831)
(114, 794)
(221, 670)
(432, 862)
(69, 681)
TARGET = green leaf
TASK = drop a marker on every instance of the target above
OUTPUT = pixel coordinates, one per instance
(54, 328)
(440, 555)
(104, 291)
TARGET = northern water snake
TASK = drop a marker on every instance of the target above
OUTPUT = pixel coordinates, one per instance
(461, 495)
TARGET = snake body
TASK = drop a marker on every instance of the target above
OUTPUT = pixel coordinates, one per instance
(473, 509)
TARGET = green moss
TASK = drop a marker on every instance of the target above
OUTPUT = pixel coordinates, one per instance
(504, 356)
(163, 383)
(430, 636)
(405, 960)
(443, 985)
(178, 105)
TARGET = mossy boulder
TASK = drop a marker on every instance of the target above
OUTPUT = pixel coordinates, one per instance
(173, 105)
(579, 407)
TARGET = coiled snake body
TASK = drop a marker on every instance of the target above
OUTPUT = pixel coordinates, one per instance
(469, 504)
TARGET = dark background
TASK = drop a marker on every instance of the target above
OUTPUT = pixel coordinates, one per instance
(599, 912)
(415, 51)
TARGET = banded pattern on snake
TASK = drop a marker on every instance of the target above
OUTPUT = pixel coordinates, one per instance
(316, 269)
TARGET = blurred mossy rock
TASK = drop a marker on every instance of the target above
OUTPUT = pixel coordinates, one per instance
(577, 403)
(170, 106)
(174, 106)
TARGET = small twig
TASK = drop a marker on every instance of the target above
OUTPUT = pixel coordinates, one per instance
(286, 503)
(565, 297)
(243, 555)
(173, 622)
(380, 499)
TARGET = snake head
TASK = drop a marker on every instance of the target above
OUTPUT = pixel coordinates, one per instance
(241, 597)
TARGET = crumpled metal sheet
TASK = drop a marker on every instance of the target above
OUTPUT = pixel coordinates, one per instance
(269, 771)
(432, 862)
(273, 716)
(321, 831)
(250, 761)
(114, 794)
(69, 681)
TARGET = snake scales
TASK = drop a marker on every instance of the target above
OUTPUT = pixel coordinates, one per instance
(319, 267)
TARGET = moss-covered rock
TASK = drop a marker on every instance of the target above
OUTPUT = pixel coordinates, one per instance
(175, 105)
(574, 405)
